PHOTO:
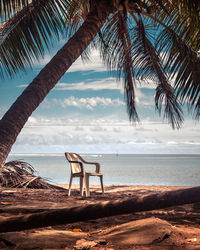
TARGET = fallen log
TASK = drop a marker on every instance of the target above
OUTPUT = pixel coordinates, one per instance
(99, 210)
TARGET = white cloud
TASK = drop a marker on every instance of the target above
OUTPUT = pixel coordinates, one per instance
(107, 83)
(142, 99)
(32, 120)
(95, 64)
(22, 85)
(98, 129)
(43, 61)
(79, 128)
(3, 109)
(105, 135)
(88, 103)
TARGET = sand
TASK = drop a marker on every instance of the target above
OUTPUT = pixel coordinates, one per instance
(171, 228)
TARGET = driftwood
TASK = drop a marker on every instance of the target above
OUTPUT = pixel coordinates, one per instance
(99, 210)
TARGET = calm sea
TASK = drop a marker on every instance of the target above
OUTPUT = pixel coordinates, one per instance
(172, 170)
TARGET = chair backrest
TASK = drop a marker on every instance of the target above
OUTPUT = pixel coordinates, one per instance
(75, 167)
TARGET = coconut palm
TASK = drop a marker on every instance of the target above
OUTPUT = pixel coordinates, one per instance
(141, 40)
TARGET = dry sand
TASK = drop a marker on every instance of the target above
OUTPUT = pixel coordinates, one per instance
(172, 228)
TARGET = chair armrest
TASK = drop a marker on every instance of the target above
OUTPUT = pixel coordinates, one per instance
(96, 164)
(89, 162)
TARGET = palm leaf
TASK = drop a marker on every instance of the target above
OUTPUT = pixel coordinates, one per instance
(130, 52)
(150, 67)
(9, 7)
(189, 8)
(135, 57)
(182, 61)
(28, 27)
(178, 44)
(127, 67)
(115, 47)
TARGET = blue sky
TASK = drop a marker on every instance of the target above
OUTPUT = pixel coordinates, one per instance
(86, 113)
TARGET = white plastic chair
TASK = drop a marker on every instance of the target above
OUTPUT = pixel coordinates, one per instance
(77, 170)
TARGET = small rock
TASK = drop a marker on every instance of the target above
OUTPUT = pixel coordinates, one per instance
(102, 242)
(84, 244)
(76, 230)
(2, 245)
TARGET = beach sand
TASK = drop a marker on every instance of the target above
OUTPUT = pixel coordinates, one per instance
(171, 228)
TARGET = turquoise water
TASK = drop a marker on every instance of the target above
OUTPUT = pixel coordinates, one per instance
(172, 170)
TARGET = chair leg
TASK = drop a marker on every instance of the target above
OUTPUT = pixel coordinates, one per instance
(70, 186)
(87, 189)
(101, 180)
(81, 185)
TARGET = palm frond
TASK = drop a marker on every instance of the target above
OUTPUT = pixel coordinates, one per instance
(9, 7)
(189, 8)
(136, 57)
(115, 47)
(127, 67)
(179, 46)
(150, 67)
(20, 174)
(76, 14)
(129, 51)
(182, 61)
(28, 29)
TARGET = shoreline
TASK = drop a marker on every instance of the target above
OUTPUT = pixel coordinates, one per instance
(93, 186)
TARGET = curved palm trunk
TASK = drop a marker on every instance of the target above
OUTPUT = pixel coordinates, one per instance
(16, 117)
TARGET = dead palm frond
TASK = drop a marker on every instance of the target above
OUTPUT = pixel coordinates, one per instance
(20, 174)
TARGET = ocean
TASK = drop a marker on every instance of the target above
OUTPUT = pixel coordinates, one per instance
(121, 169)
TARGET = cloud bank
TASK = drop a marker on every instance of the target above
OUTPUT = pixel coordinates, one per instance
(84, 103)
(44, 135)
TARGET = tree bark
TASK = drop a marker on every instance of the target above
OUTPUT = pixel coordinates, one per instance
(99, 210)
(16, 117)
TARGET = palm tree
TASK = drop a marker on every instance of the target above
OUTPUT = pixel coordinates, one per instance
(139, 39)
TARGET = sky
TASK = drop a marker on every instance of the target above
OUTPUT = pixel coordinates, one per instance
(86, 113)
